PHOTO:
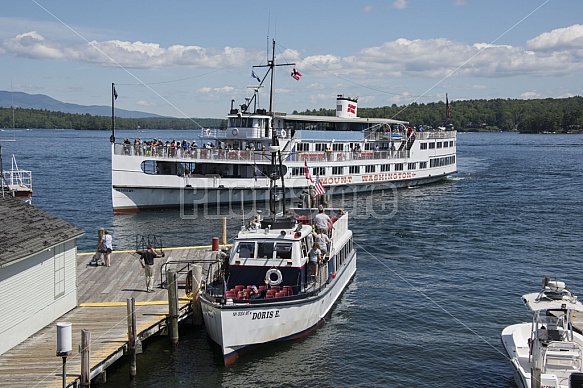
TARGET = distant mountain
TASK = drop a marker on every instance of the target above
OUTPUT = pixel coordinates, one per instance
(40, 101)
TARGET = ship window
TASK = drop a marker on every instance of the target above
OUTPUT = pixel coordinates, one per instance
(385, 167)
(423, 146)
(431, 146)
(338, 147)
(422, 165)
(445, 144)
(438, 144)
(319, 171)
(303, 146)
(246, 250)
(265, 250)
(297, 171)
(369, 168)
(149, 166)
(283, 250)
(411, 166)
(451, 143)
(398, 166)
(354, 169)
(337, 170)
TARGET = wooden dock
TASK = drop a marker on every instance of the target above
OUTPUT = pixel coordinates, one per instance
(102, 310)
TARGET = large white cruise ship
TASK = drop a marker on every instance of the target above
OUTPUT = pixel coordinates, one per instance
(237, 166)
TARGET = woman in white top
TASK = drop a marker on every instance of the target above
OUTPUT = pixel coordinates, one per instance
(106, 248)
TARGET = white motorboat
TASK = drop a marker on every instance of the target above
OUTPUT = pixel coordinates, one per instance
(547, 352)
(294, 301)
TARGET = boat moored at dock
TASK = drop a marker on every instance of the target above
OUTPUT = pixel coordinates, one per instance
(294, 296)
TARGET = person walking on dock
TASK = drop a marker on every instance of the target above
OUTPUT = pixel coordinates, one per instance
(106, 248)
(147, 261)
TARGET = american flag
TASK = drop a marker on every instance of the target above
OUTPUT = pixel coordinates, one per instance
(307, 172)
(319, 188)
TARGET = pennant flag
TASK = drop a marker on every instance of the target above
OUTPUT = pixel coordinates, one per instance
(296, 74)
(114, 93)
(319, 188)
(307, 172)
(253, 75)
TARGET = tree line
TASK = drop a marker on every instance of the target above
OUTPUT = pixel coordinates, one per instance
(46, 119)
(528, 116)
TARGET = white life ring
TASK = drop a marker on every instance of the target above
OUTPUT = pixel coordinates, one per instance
(283, 133)
(235, 132)
(208, 131)
(278, 279)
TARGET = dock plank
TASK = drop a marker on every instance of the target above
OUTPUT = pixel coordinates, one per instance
(34, 361)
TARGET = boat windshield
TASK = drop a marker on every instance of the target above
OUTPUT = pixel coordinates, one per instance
(246, 250)
(265, 250)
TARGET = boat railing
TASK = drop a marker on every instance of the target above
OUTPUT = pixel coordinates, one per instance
(213, 153)
(18, 178)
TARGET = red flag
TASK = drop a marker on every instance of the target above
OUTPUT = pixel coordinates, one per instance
(307, 171)
(296, 74)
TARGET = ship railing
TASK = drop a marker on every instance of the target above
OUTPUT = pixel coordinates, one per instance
(163, 152)
(425, 135)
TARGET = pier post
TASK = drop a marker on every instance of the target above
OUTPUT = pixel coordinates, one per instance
(195, 304)
(85, 353)
(131, 316)
(224, 230)
(173, 306)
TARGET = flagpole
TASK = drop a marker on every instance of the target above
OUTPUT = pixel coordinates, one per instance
(112, 137)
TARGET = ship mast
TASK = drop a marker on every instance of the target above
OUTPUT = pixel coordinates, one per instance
(276, 159)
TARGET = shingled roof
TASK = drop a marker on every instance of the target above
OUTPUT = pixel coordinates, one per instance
(26, 230)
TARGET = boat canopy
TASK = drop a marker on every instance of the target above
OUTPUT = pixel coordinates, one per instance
(535, 303)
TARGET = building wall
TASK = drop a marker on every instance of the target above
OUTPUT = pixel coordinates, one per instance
(36, 291)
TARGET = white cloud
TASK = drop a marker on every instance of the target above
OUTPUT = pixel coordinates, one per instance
(530, 95)
(559, 39)
(129, 54)
(145, 103)
(368, 8)
(556, 53)
(400, 4)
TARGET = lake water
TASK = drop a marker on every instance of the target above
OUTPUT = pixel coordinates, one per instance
(441, 268)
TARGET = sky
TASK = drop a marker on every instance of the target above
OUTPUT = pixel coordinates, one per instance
(192, 58)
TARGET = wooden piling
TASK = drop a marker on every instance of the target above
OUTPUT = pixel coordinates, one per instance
(173, 306)
(85, 354)
(224, 230)
(131, 309)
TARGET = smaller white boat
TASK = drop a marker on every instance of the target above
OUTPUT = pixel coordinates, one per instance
(18, 182)
(547, 352)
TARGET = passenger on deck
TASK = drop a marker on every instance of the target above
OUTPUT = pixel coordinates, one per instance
(322, 221)
(323, 241)
(315, 256)
(256, 294)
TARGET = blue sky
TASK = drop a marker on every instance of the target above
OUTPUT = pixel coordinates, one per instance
(191, 58)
